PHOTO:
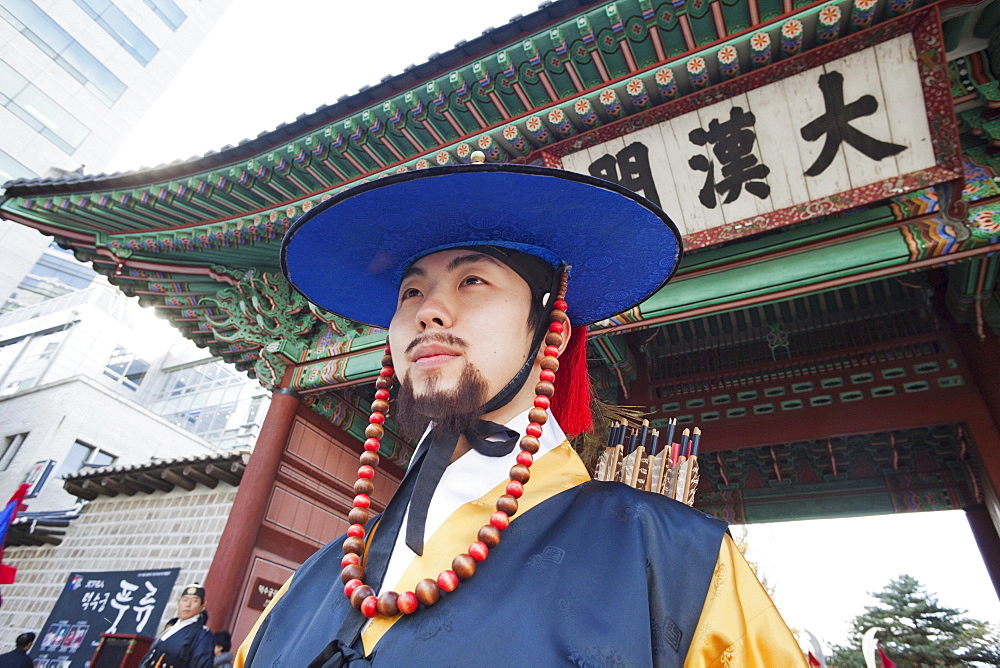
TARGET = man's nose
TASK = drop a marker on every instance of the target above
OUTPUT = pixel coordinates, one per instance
(436, 310)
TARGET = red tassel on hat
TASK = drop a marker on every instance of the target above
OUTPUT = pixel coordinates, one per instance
(571, 401)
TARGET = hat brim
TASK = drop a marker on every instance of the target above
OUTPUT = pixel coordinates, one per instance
(348, 253)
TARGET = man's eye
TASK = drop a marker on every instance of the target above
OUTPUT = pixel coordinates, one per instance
(472, 280)
(409, 292)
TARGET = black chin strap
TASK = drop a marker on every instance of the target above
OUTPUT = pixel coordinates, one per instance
(482, 437)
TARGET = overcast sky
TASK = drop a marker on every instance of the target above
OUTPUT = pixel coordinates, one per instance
(261, 67)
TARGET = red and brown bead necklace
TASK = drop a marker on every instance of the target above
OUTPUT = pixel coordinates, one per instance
(428, 591)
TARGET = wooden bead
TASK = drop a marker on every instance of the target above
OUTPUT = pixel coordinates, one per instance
(386, 360)
(362, 486)
(464, 566)
(358, 516)
(383, 383)
(407, 602)
(545, 388)
(388, 604)
(369, 458)
(360, 594)
(551, 339)
(548, 362)
(380, 406)
(520, 473)
(353, 572)
(489, 535)
(538, 415)
(374, 431)
(530, 444)
(505, 504)
(427, 591)
(354, 545)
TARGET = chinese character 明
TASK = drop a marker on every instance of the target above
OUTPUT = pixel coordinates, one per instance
(732, 145)
(628, 168)
(835, 123)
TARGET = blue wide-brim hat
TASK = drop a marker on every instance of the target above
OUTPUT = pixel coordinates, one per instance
(348, 253)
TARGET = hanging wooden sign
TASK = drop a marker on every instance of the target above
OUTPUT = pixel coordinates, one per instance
(862, 119)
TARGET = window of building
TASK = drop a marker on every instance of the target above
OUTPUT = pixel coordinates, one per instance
(120, 27)
(126, 369)
(40, 111)
(11, 444)
(82, 456)
(168, 11)
(42, 31)
(11, 169)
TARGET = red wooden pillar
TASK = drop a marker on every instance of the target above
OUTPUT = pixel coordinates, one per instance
(224, 583)
(985, 533)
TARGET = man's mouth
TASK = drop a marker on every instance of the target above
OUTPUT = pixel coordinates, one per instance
(432, 355)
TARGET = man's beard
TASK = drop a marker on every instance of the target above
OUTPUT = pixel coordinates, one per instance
(453, 411)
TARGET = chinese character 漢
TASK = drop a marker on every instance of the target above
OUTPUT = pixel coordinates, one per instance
(835, 123)
(732, 145)
(628, 168)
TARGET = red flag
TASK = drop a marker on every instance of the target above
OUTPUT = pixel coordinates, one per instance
(886, 661)
(7, 516)
(813, 661)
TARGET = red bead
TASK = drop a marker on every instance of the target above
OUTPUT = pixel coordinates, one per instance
(351, 586)
(479, 551)
(547, 375)
(542, 401)
(560, 305)
(556, 327)
(350, 559)
(372, 445)
(377, 418)
(369, 607)
(356, 531)
(388, 352)
(382, 394)
(366, 472)
(533, 429)
(515, 489)
(447, 581)
(500, 520)
(407, 602)
(388, 371)
(550, 351)
(362, 501)
(524, 458)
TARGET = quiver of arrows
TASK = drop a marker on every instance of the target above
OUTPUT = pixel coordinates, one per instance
(632, 457)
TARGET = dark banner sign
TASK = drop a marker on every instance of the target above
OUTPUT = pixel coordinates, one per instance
(92, 603)
(262, 593)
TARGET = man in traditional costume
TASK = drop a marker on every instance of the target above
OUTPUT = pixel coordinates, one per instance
(186, 643)
(498, 549)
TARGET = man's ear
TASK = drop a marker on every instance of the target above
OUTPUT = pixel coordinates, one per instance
(566, 335)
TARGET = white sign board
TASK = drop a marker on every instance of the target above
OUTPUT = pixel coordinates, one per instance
(850, 123)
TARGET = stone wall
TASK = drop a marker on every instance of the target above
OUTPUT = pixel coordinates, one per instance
(142, 532)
